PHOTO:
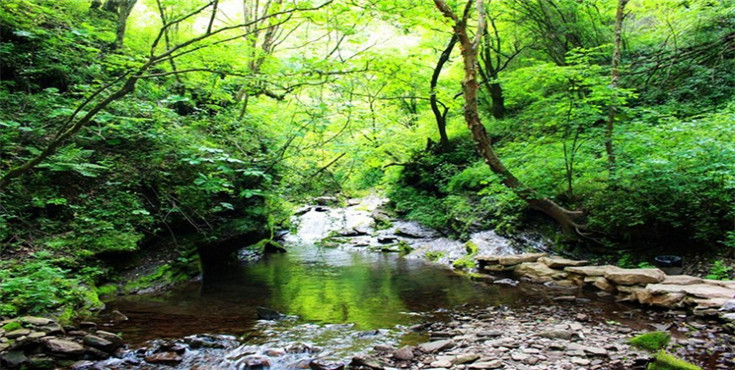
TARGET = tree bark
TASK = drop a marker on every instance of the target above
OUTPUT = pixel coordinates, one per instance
(496, 95)
(565, 218)
(123, 9)
(441, 117)
(615, 77)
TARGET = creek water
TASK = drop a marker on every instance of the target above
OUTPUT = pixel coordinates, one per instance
(339, 302)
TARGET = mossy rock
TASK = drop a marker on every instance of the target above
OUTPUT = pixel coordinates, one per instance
(652, 341)
(13, 325)
(666, 361)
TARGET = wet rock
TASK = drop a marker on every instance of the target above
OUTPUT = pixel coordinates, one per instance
(96, 353)
(14, 358)
(404, 353)
(82, 365)
(87, 325)
(98, 342)
(114, 338)
(387, 239)
(52, 329)
(265, 313)
(435, 346)
(414, 230)
(65, 347)
(326, 200)
(362, 361)
(326, 364)
(635, 276)
(118, 316)
(164, 358)
(274, 352)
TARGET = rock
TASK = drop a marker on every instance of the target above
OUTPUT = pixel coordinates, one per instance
(580, 361)
(164, 358)
(52, 329)
(603, 284)
(516, 259)
(730, 284)
(36, 335)
(98, 342)
(557, 334)
(591, 270)
(414, 230)
(326, 200)
(435, 346)
(518, 356)
(326, 364)
(65, 347)
(538, 272)
(596, 351)
(404, 353)
(682, 280)
(367, 362)
(274, 352)
(494, 364)
(729, 306)
(387, 239)
(265, 313)
(635, 276)
(696, 290)
(441, 364)
(560, 263)
(36, 321)
(82, 365)
(97, 353)
(114, 338)
(465, 358)
(118, 316)
(88, 325)
(15, 334)
(14, 358)
(668, 300)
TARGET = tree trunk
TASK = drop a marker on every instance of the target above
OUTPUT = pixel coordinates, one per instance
(615, 77)
(496, 95)
(124, 7)
(441, 118)
(470, 86)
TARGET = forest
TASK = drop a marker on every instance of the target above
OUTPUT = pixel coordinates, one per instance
(191, 129)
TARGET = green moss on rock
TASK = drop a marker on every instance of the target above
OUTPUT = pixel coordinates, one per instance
(652, 341)
(666, 361)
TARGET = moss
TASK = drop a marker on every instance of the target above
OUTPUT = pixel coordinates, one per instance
(434, 256)
(405, 247)
(652, 341)
(465, 262)
(13, 325)
(106, 290)
(471, 247)
(666, 361)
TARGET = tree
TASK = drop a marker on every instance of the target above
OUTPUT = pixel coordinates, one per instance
(439, 116)
(127, 81)
(615, 77)
(470, 86)
(122, 8)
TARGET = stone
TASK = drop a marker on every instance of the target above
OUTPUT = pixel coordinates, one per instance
(404, 353)
(52, 329)
(560, 263)
(669, 300)
(435, 346)
(596, 351)
(498, 268)
(465, 358)
(682, 280)
(603, 284)
(538, 272)
(730, 284)
(441, 364)
(361, 361)
(82, 365)
(518, 356)
(515, 259)
(326, 364)
(36, 335)
(557, 334)
(265, 313)
(98, 342)
(65, 347)
(164, 358)
(14, 358)
(118, 316)
(509, 282)
(114, 338)
(36, 321)
(696, 290)
(591, 270)
(488, 259)
(274, 352)
(494, 364)
(635, 276)
(15, 334)
(88, 325)
(580, 361)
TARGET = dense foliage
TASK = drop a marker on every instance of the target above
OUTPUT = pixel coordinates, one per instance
(264, 107)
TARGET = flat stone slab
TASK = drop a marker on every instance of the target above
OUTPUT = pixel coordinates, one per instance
(696, 290)
(560, 263)
(66, 347)
(516, 259)
(730, 284)
(435, 346)
(682, 280)
(591, 270)
(635, 276)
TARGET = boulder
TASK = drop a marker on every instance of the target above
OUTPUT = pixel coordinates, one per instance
(538, 272)
(404, 353)
(669, 300)
(560, 263)
(98, 342)
(591, 270)
(65, 347)
(635, 276)
(697, 290)
(681, 280)
(36, 321)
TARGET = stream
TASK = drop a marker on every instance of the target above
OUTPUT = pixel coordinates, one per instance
(338, 301)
